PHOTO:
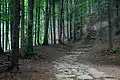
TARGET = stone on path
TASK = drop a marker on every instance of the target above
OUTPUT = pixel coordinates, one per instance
(63, 76)
(84, 77)
(75, 52)
(110, 79)
(96, 73)
(66, 79)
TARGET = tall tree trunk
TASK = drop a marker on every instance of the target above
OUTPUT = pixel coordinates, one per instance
(45, 42)
(54, 20)
(30, 28)
(3, 26)
(0, 21)
(71, 17)
(81, 29)
(11, 22)
(36, 24)
(7, 25)
(50, 21)
(61, 21)
(67, 20)
(58, 21)
(109, 26)
(117, 13)
(38, 33)
(75, 20)
(15, 33)
(22, 24)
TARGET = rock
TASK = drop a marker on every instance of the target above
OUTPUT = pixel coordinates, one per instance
(95, 73)
(63, 76)
(78, 74)
(84, 77)
(108, 76)
(110, 79)
(66, 79)
(74, 71)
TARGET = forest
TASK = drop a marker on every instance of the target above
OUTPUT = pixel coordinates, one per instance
(45, 30)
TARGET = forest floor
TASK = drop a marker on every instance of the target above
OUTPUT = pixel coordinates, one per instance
(74, 61)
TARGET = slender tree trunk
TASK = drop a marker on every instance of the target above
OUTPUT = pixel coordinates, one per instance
(22, 24)
(38, 35)
(58, 21)
(54, 20)
(81, 29)
(63, 23)
(61, 20)
(117, 13)
(11, 22)
(109, 26)
(67, 20)
(30, 28)
(45, 42)
(71, 13)
(50, 21)
(15, 33)
(36, 24)
(3, 9)
(75, 20)
(0, 22)
(7, 26)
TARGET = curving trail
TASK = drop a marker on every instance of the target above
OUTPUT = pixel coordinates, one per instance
(67, 67)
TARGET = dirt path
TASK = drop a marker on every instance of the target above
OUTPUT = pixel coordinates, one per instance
(68, 67)
(60, 63)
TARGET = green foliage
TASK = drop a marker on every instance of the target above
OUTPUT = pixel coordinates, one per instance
(6, 17)
(115, 50)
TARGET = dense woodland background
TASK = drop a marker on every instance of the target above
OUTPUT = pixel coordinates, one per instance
(27, 23)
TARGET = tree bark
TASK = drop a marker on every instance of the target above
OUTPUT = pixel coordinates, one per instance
(38, 33)
(109, 26)
(50, 21)
(30, 28)
(71, 17)
(45, 42)
(0, 23)
(61, 20)
(54, 20)
(22, 24)
(15, 33)
(7, 25)
(67, 19)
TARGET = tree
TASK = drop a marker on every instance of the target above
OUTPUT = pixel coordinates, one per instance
(50, 20)
(38, 33)
(81, 29)
(30, 28)
(71, 17)
(61, 21)
(109, 26)
(7, 24)
(36, 20)
(15, 33)
(22, 24)
(67, 11)
(3, 21)
(117, 13)
(0, 22)
(45, 42)
(54, 20)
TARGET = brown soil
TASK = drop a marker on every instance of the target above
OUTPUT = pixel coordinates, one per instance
(39, 69)
(99, 58)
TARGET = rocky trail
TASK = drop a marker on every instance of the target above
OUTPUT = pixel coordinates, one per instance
(63, 63)
(67, 67)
